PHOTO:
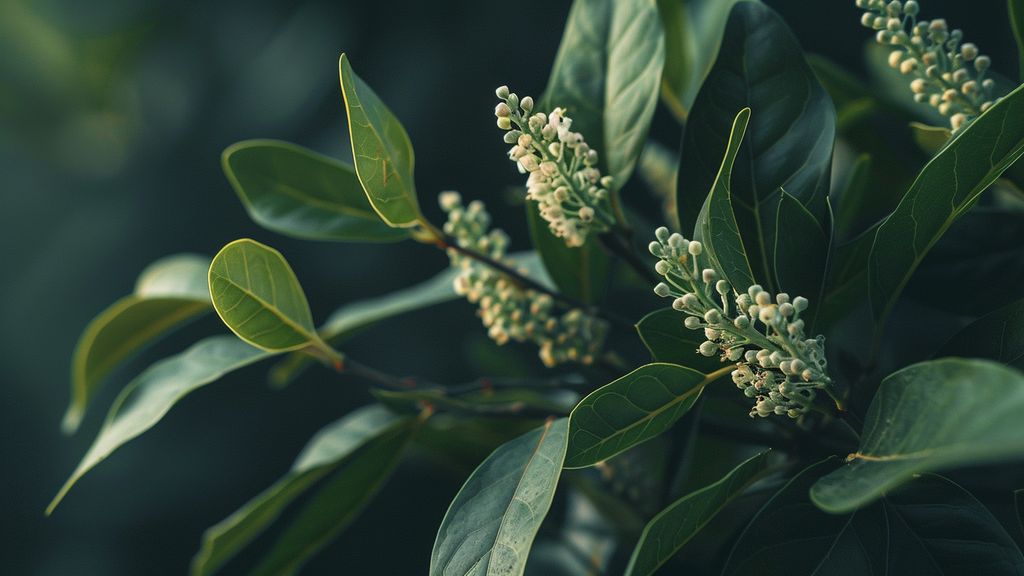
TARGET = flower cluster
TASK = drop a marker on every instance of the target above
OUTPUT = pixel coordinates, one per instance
(509, 311)
(564, 179)
(776, 364)
(947, 74)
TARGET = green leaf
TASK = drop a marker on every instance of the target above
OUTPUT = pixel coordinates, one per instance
(606, 75)
(146, 399)
(334, 506)
(631, 410)
(332, 446)
(483, 402)
(801, 252)
(259, 298)
(674, 526)
(491, 524)
(299, 193)
(693, 33)
(1016, 8)
(716, 226)
(168, 293)
(788, 142)
(997, 336)
(580, 273)
(1018, 498)
(853, 197)
(381, 151)
(932, 527)
(945, 189)
(935, 415)
(664, 335)
(930, 139)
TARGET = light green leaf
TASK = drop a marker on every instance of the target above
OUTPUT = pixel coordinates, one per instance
(930, 139)
(789, 140)
(147, 398)
(1016, 8)
(259, 298)
(716, 226)
(168, 293)
(581, 273)
(935, 415)
(997, 336)
(664, 335)
(330, 447)
(381, 151)
(299, 193)
(945, 189)
(606, 75)
(674, 526)
(491, 524)
(631, 410)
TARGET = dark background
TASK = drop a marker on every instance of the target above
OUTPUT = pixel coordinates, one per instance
(113, 114)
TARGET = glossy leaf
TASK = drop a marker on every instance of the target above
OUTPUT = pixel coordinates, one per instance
(329, 448)
(606, 75)
(801, 252)
(930, 139)
(674, 526)
(932, 527)
(580, 273)
(997, 336)
(716, 226)
(853, 197)
(147, 398)
(664, 335)
(334, 506)
(946, 188)
(631, 410)
(491, 524)
(168, 293)
(930, 416)
(788, 144)
(381, 151)
(1016, 8)
(259, 298)
(299, 193)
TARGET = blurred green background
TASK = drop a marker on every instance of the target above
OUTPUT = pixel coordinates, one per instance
(113, 114)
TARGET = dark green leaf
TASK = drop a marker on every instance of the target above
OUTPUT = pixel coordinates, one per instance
(998, 336)
(146, 399)
(789, 140)
(801, 252)
(946, 188)
(664, 335)
(299, 193)
(716, 226)
(606, 75)
(930, 416)
(674, 526)
(381, 151)
(580, 273)
(632, 409)
(168, 293)
(853, 197)
(491, 524)
(1016, 8)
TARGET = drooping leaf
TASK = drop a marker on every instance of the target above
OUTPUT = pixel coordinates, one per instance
(146, 399)
(788, 144)
(1016, 8)
(930, 416)
(931, 527)
(716, 225)
(674, 526)
(997, 336)
(299, 193)
(664, 335)
(947, 187)
(491, 524)
(330, 447)
(259, 298)
(632, 409)
(580, 273)
(168, 293)
(606, 75)
(353, 483)
(381, 151)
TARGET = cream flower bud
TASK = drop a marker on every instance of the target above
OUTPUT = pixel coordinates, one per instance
(895, 57)
(661, 289)
(695, 248)
(692, 322)
(526, 104)
(957, 121)
(800, 303)
(501, 92)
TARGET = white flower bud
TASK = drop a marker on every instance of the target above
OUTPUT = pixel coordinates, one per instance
(504, 123)
(661, 289)
(501, 92)
(763, 298)
(712, 316)
(527, 104)
(800, 303)
(708, 349)
(918, 86)
(692, 322)
(662, 234)
(982, 63)
(449, 200)
(786, 309)
(711, 333)
(908, 65)
(895, 57)
(662, 267)
(722, 287)
(969, 51)
(937, 25)
(655, 249)
(708, 275)
(586, 213)
(957, 121)
(911, 8)
(741, 322)
(695, 248)
(690, 301)
(502, 110)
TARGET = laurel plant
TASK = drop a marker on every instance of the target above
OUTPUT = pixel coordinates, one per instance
(825, 331)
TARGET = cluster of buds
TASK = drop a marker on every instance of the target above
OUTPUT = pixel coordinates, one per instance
(947, 73)
(509, 311)
(776, 365)
(563, 176)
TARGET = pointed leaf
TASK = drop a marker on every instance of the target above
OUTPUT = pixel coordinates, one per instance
(381, 151)
(674, 526)
(1016, 8)
(580, 273)
(147, 398)
(997, 336)
(801, 252)
(930, 416)
(299, 193)
(664, 335)
(168, 293)
(490, 526)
